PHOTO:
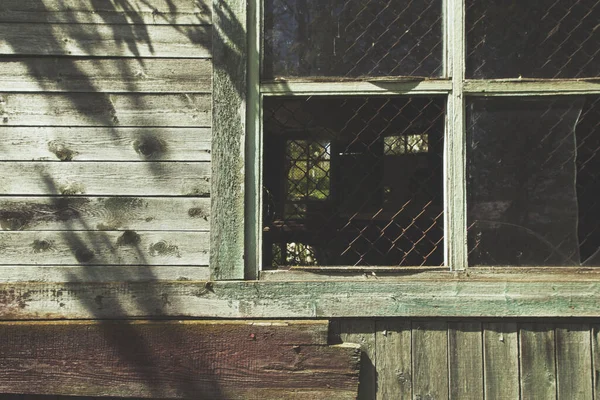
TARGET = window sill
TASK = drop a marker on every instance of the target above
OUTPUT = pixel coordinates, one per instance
(482, 292)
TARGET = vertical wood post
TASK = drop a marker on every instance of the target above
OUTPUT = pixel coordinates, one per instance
(455, 143)
(228, 145)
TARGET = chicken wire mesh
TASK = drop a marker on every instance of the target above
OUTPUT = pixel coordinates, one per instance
(354, 181)
(533, 39)
(344, 38)
(533, 181)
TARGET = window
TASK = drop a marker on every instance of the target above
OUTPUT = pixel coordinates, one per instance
(425, 134)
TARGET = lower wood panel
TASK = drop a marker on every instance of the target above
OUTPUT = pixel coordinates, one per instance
(479, 359)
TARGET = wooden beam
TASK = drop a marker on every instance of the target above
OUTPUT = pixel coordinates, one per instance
(193, 359)
(450, 297)
(229, 132)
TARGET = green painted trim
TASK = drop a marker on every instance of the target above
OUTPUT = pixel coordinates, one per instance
(446, 295)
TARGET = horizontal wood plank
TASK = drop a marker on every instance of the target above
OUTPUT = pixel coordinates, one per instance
(105, 75)
(102, 273)
(100, 109)
(74, 39)
(105, 144)
(253, 299)
(165, 12)
(106, 178)
(103, 248)
(196, 359)
(104, 213)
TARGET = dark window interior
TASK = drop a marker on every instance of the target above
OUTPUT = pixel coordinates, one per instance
(341, 38)
(534, 181)
(353, 181)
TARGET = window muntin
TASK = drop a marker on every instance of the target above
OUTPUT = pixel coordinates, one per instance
(352, 38)
(336, 195)
(533, 39)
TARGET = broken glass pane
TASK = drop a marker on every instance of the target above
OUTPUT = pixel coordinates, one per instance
(533, 39)
(334, 192)
(343, 38)
(533, 181)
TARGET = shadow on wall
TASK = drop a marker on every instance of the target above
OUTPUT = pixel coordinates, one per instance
(62, 47)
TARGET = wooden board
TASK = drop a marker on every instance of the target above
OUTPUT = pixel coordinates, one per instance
(393, 359)
(538, 362)
(169, 12)
(430, 360)
(196, 359)
(103, 248)
(573, 361)
(106, 178)
(100, 109)
(501, 360)
(256, 299)
(105, 144)
(74, 39)
(60, 74)
(361, 332)
(465, 355)
(230, 50)
(104, 213)
(102, 273)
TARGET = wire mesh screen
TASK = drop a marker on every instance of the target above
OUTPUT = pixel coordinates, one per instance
(352, 38)
(534, 181)
(353, 181)
(533, 39)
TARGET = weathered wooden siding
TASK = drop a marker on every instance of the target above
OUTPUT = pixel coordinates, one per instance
(475, 359)
(105, 119)
(437, 359)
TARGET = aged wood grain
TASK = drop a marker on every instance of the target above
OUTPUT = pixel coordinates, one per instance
(465, 360)
(595, 329)
(197, 359)
(501, 360)
(75, 39)
(102, 273)
(163, 12)
(393, 359)
(313, 299)
(60, 74)
(106, 178)
(573, 361)
(361, 332)
(538, 362)
(104, 213)
(103, 248)
(229, 129)
(105, 144)
(430, 360)
(101, 109)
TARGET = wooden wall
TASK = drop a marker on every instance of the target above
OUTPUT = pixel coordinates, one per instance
(475, 359)
(438, 359)
(105, 116)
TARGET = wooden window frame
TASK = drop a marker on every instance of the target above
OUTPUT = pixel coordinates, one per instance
(237, 289)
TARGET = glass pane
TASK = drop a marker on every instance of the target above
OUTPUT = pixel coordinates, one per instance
(343, 38)
(353, 181)
(533, 181)
(533, 39)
